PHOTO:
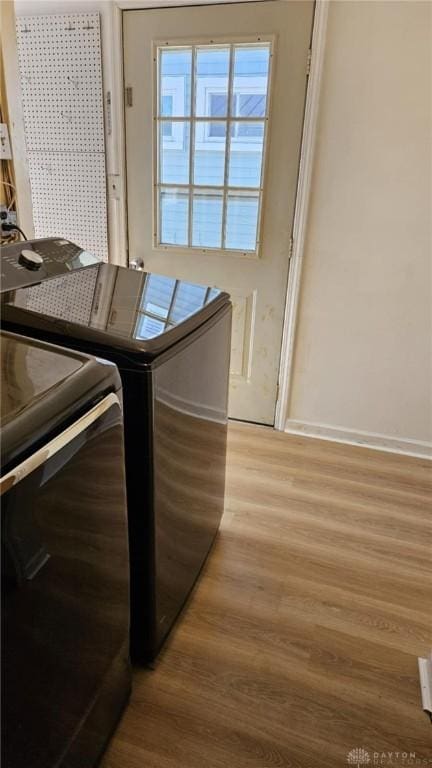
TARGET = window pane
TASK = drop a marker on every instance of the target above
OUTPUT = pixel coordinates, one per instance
(175, 82)
(158, 295)
(174, 152)
(201, 162)
(209, 154)
(246, 154)
(251, 105)
(211, 87)
(167, 105)
(218, 104)
(187, 300)
(174, 217)
(167, 108)
(241, 221)
(250, 79)
(207, 219)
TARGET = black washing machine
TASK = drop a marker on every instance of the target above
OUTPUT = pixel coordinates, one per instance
(171, 342)
(64, 556)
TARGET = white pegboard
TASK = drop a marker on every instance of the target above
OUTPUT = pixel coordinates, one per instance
(69, 198)
(70, 299)
(61, 79)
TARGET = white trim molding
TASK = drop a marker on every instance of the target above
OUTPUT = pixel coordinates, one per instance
(112, 54)
(378, 442)
(301, 210)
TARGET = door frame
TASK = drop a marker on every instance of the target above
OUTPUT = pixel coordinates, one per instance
(116, 162)
(304, 183)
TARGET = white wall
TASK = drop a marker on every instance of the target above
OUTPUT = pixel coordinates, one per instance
(363, 346)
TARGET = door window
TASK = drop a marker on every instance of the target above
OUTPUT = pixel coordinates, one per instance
(211, 134)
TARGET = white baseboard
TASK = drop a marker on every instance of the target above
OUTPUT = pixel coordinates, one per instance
(378, 442)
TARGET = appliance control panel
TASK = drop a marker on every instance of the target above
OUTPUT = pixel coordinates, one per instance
(31, 262)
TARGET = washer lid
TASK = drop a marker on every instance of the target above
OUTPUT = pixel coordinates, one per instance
(139, 313)
(44, 387)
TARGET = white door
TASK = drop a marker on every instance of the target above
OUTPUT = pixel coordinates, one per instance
(214, 114)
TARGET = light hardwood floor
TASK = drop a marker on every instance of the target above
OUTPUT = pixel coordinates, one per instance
(301, 639)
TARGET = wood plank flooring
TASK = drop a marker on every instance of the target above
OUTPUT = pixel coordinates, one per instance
(301, 639)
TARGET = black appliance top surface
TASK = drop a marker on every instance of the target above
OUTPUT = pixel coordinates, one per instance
(35, 260)
(42, 387)
(140, 313)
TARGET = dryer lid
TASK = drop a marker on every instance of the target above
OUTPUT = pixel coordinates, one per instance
(43, 387)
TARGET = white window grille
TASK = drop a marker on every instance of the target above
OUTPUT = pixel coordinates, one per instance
(210, 134)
